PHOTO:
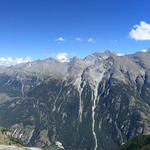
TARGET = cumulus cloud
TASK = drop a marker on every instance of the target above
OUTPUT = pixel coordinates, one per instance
(10, 61)
(140, 32)
(144, 50)
(2, 59)
(78, 39)
(91, 40)
(62, 57)
(61, 39)
(120, 54)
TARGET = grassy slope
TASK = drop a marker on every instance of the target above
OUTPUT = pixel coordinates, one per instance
(6, 139)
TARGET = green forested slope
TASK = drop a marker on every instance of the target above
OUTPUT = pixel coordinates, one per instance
(141, 142)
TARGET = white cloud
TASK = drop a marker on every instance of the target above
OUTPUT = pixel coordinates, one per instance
(144, 50)
(10, 61)
(62, 57)
(2, 59)
(78, 39)
(91, 40)
(61, 39)
(140, 32)
(120, 54)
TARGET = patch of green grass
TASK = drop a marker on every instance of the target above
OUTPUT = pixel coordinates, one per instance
(7, 139)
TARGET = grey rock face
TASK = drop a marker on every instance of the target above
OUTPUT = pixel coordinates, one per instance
(93, 103)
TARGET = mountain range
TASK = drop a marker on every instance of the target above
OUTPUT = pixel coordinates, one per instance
(95, 103)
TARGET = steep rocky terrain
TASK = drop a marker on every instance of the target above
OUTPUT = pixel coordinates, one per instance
(94, 103)
(8, 142)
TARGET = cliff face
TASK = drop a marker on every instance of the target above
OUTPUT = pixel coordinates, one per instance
(92, 103)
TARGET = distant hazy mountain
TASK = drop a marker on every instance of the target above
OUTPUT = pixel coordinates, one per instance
(94, 103)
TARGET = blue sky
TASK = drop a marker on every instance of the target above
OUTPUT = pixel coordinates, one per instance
(44, 28)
